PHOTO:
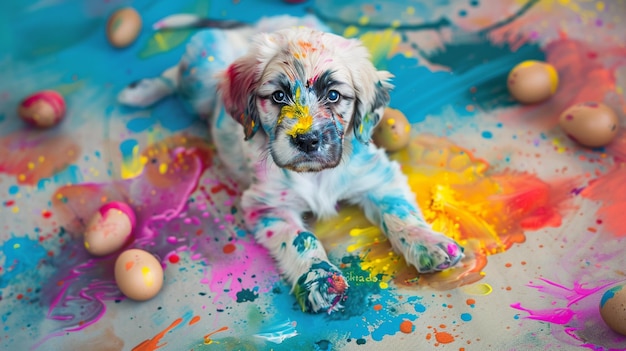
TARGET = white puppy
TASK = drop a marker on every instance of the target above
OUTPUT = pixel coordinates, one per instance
(298, 112)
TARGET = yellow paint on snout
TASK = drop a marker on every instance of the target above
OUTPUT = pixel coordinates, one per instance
(304, 120)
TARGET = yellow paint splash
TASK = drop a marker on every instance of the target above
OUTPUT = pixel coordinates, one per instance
(148, 277)
(485, 212)
(381, 44)
(304, 120)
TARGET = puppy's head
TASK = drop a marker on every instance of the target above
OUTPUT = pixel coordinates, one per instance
(309, 91)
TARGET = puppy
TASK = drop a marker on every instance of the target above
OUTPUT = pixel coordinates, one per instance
(293, 124)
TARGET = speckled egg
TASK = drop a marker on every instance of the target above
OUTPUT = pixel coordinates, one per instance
(532, 82)
(123, 27)
(109, 229)
(613, 308)
(393, 132)
(43, 109)
(138, 274)
(591, 124)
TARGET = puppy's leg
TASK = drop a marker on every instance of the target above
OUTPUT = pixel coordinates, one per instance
(146, 92)
(392, 205)
(318, 285)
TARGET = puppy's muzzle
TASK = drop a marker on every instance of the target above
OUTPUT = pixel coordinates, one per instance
(307, 142)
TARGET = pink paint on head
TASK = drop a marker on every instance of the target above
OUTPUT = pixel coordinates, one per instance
(120, 206)
(569, 117)
(591, 104)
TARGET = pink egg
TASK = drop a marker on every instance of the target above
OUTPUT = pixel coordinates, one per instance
(43, 109)
(109, 229)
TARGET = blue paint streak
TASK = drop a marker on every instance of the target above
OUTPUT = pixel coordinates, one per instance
(127, 146)
(609, 294)
(487, 134)
(70, 175)
(391, 325)
(21, 255)
(477, 63)
(466, 317)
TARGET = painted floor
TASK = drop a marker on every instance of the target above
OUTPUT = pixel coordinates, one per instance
(540, 217)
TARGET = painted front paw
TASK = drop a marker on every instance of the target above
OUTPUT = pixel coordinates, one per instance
(322, 288)
(431, 252)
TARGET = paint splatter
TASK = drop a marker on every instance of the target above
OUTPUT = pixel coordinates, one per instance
(574, 315)
(484, 211)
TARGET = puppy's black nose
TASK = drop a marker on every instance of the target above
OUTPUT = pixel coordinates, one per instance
(308, 142)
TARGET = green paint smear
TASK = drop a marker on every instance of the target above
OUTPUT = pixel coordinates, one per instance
(164, 41)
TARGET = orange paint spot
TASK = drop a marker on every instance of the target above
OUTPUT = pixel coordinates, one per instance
(229, 248)
(508, 265)
(194, 320)
(378, 307)
(207, 338)
(406, 327)
(129, 265)
(470, 302)
(592, 230)
(444, 337)
(153, 344)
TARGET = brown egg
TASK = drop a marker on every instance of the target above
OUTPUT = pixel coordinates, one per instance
(123, 27)
(138, 274)
(613, 308)
(532, 82)
(591, 124)
(393, 132)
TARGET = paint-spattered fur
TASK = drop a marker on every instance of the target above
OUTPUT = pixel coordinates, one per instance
(292, 120)
(286, 87)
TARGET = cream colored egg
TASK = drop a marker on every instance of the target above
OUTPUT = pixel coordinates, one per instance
(532, 82)
(393, 132)
(109, 229)
(591, 124)
(613, 308)
(123, 27)
(138, 274)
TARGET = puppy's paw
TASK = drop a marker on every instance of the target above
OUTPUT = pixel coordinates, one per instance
(427, 250)
(322, 288)
(431, 252)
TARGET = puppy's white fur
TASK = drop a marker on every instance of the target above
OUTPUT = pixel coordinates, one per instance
(306, 102)
(284, 182)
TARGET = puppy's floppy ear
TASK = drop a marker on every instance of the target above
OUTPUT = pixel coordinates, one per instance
(237, 86)
(372, 92)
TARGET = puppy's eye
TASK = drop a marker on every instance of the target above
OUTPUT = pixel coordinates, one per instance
(279, 97)
(333, 96)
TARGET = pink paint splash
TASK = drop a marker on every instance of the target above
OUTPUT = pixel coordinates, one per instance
(576, 319)
(587, 72)
(78, 292)
(610, 190)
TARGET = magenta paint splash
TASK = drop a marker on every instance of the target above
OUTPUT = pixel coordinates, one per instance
(575, 318)
(120, 206)
(77, 294)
